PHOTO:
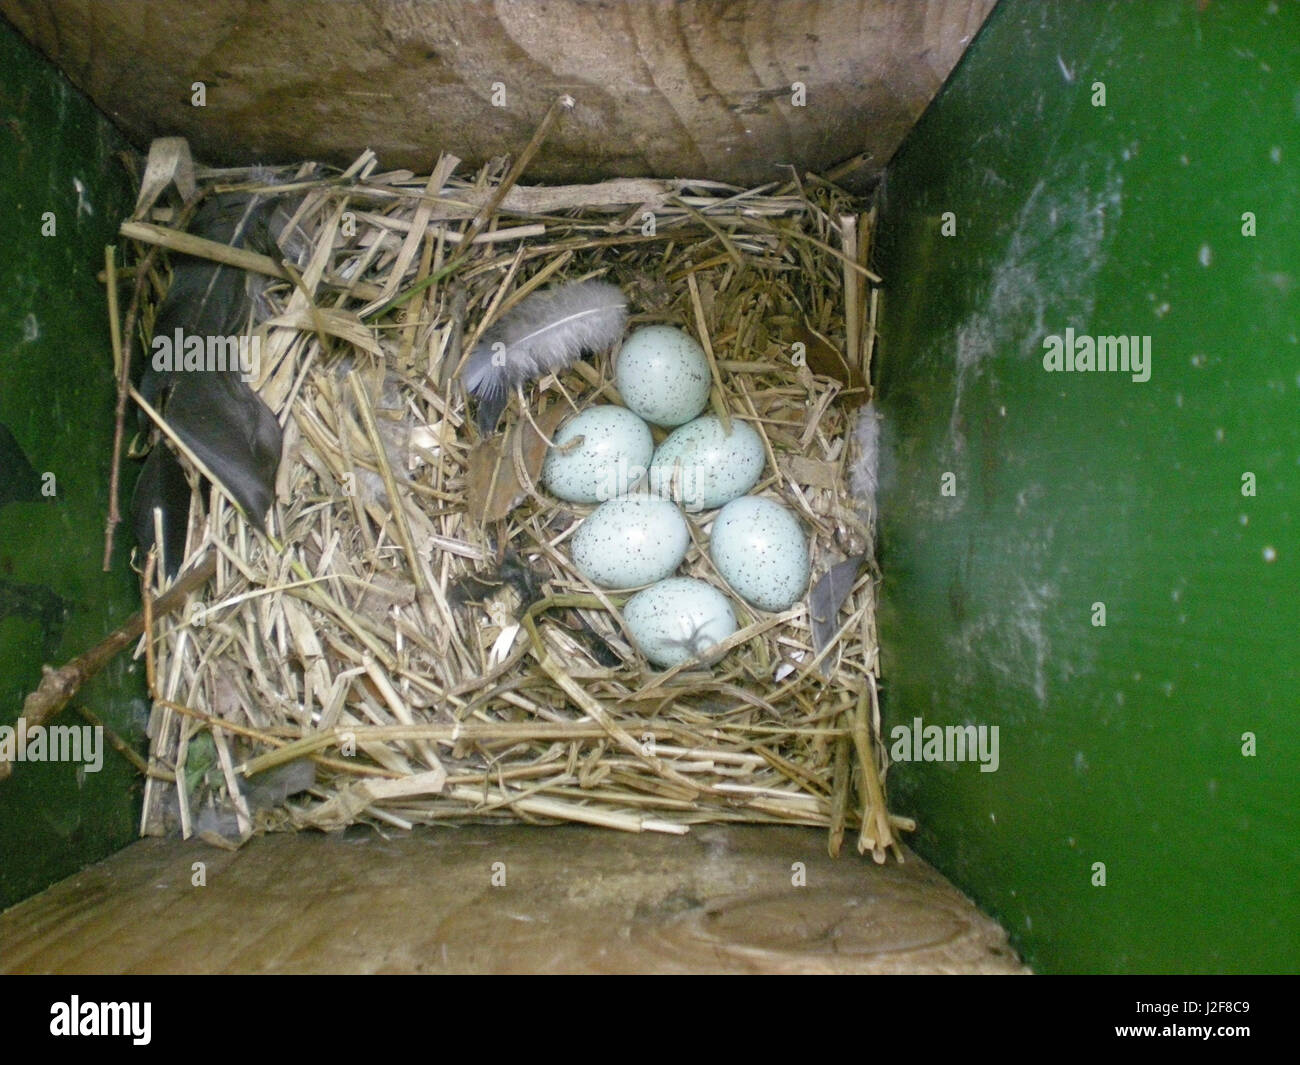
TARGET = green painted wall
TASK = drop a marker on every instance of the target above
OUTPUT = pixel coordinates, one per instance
(56, 400)
(1120, 744)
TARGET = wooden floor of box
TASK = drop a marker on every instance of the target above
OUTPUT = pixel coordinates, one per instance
(503, 899)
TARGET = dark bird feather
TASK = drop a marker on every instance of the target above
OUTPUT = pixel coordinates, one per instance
(215, 413)
(826, 600)
(546, 333)
(162, 485)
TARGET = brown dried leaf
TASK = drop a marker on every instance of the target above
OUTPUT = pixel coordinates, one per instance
(813, 472)
(492, 488)
(825, 360)
(488, 481)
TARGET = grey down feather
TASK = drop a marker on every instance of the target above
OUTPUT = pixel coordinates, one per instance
(546, 333)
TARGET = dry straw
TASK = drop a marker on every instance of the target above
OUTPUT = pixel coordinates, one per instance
(414, 624)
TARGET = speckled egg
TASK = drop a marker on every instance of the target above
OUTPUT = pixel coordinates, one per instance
(679, 619)
(611, 460)
(760, 550)
(629, 542)
(663, 375)
(702, 467)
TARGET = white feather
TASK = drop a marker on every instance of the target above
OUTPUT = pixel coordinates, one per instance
(865, 471)
(546, 333)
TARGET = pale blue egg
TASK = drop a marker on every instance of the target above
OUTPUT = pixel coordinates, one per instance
(678, 619)
(760, 550)
(611, 460)
(663, 375)
(628, 542)
(702, 467)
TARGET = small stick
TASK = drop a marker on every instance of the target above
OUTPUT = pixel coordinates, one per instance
(146, 590)
(852, 292)
(702, 328)
(840, 797)
(188, 244)
(390, 482)
(572, 445)
(582, 699)
(59, 685)
(121, 746)
(849, 264)
(114, 323)
(875, 834)
(552, 116)
(566, 811)
(121, 340)
(254, 766)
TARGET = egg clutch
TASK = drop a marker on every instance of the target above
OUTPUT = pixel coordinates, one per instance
(639, 533)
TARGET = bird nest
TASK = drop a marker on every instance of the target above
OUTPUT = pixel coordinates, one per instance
(410, 642)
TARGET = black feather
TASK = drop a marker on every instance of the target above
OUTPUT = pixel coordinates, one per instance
(214, 412)
(162, 484)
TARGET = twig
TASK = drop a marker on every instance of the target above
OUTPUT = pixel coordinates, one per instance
(121, 746)
(852, 292)
(485, 213)
(702, 327)
(59, 685)
(146, 593)
(402, 522)
(122, 347)
(188, 244)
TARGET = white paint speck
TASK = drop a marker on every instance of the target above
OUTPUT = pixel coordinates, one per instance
(83, 204)
(1162, 309)
(1275, 154)
(1218, 436)
(31, 329)
(1205, 256)
(1270, 555)
(1244, 519)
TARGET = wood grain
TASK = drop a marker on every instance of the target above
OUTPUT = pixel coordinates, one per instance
(579, 900)
(663, 87)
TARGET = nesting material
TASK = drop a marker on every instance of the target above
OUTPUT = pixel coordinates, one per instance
(414, 626)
